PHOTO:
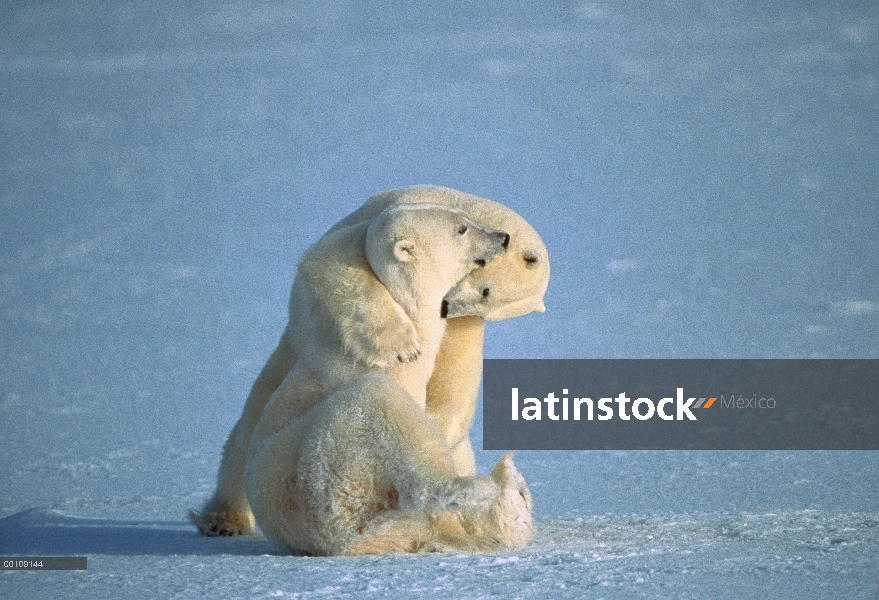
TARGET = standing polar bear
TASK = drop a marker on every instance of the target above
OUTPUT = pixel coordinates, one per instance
(341, 298)
(363, 469)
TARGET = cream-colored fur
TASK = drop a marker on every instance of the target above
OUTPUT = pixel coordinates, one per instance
(334, 296)
(367, 472)
(509, 286)
(345, 459)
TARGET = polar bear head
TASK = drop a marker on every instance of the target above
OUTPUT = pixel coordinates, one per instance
(420, 251)
(511, 285)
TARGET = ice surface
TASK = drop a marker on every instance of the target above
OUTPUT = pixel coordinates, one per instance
(705, 177)
(799, 554)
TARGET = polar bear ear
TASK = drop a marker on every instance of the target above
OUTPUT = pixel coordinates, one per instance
(404, 250)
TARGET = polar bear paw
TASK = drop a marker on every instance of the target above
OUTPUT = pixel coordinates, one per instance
(226, 523)
(512, 510)
(383, 339)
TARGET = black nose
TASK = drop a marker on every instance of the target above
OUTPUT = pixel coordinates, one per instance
(480, 262)
(506, 240)
(444, 309)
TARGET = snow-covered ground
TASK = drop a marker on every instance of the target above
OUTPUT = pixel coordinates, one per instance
(705, 176)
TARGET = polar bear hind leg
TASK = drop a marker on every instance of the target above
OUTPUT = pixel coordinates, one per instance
(227, 513)
(373, 474)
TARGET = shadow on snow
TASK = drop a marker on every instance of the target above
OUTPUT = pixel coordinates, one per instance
(43, 532)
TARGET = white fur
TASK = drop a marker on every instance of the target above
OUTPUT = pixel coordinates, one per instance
(336, 294)
(344, 459)
(516, 282)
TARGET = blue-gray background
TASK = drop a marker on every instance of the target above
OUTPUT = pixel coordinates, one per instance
(705, 176)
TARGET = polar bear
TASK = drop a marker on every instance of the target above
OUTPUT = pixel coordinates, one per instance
(340, 297)
(512, 285)
(344, 459)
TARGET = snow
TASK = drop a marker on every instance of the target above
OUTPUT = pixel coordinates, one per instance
(705, 177)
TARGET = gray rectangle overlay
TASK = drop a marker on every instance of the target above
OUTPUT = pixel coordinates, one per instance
(43, 563)
(777, 404)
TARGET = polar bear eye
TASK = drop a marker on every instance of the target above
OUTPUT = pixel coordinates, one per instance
(462, 230)
(485, 292)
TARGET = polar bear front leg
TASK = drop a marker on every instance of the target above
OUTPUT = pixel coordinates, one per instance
(373, 327)
(454, 386)
(227, 513)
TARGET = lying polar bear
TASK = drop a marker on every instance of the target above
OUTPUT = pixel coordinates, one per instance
(345, 460)
(342, 298)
